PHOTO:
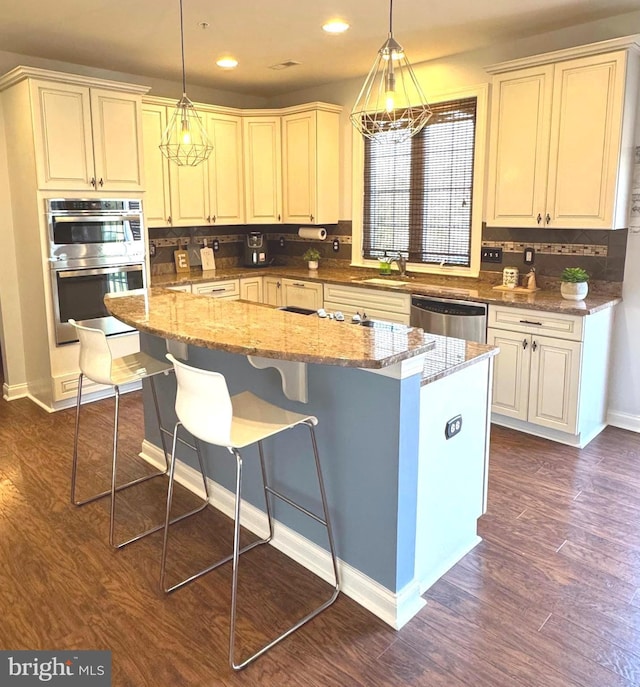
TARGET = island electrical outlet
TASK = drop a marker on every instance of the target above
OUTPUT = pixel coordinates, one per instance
(491, 255)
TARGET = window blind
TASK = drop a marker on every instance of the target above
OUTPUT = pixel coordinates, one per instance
(418, 194)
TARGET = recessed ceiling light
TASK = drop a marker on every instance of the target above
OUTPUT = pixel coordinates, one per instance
(335, 26)
(227, 62)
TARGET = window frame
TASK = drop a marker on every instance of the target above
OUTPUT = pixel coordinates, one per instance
(481, 93)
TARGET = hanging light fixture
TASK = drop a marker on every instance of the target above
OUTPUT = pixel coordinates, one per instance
(185, 141)
(391, 99)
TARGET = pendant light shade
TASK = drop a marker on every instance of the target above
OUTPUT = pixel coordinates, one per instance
(391, 99)
(184, 141)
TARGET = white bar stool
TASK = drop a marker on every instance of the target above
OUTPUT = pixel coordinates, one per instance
(205, 409)
(98, 365)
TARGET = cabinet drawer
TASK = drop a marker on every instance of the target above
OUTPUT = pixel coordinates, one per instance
(378, 299)
(183, 287)
(218, 289)
(536, 321)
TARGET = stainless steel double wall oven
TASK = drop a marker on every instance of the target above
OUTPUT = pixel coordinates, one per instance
(95, 247)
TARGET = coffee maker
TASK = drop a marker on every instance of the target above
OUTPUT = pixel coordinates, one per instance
(255, 249)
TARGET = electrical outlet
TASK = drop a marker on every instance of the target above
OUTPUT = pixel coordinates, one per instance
(453, 426)
(336, 245)
(216, 245)
(529, 256)
(282, 242)
(491, 255)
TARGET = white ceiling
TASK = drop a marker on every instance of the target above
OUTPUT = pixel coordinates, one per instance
(142, 36)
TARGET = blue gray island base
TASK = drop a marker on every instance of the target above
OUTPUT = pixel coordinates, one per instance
(404, 499)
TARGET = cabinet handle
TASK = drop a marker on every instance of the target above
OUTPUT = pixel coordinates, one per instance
(169, 220)
(101, 182)
(548, 218)
(216, 290)
(539, 218)
(93, 182)
(524, 344)
(209, 219)
(278, 218)
(538, 324)
(278, 284)
(214, 219)
(534, 345)
(297, 283)
(311, 217)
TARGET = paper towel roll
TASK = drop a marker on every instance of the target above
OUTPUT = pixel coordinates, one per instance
(318, 233)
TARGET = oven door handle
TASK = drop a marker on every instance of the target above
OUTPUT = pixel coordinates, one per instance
(95, 218)
(67, 274)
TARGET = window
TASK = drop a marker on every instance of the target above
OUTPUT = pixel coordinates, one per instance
(418, 195)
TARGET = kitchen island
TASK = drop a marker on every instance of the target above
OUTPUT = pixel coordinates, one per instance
(403, 434)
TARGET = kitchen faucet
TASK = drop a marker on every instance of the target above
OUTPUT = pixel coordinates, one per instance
(401, 261)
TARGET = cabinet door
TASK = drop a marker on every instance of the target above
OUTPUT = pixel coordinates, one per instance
(263, 169)
(303, 294)
(510, 373)
(251, 289)
(117, 140)
(299, 167)
(189, 195)
(519, 149)
(157, 198)
(226, 186)
(555, 377)
(272, 290)
(62, 130)
(586, 127)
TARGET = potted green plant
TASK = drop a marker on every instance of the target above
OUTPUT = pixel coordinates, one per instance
(312, 255)
(574, 284)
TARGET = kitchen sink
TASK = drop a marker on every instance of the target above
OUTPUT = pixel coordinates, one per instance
(383, 282)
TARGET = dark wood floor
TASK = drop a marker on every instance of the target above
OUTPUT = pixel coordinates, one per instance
(550, 598)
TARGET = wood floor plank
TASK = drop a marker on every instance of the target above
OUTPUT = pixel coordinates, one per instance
(549, 598)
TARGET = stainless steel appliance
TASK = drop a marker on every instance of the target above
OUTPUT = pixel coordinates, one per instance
(448, 317)
(95, 247)
(255, 249)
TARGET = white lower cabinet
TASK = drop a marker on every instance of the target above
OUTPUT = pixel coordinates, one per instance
(229, 289)
(272, 290)
(550, 377)
(375, 304)
(251, 289)
(303, 294)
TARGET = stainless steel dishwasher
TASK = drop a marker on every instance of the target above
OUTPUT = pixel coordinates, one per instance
(460, 319)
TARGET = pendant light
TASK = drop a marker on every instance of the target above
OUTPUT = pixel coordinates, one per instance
(185, 141)
(391, 99)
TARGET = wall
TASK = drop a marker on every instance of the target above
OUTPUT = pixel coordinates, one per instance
(10, 316)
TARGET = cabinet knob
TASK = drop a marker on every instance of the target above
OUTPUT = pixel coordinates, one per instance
(169, 220)
(278, 218)
(101, 182)
(548, 218)
(93, 182)
(209, 219)
(539, 218)
(311, 217)
(214, 219)
(524, 344)
(278, 284)
(534, 345)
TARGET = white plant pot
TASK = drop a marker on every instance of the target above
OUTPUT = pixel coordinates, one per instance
(574, 291)
(313, 264)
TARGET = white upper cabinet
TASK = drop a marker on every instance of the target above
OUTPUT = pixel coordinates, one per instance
(263, 169)
(226, 182)
(310, 167)
(87, 138)
(562, 140)
(210, 193)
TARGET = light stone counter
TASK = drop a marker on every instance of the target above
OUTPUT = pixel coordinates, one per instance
(258, 330)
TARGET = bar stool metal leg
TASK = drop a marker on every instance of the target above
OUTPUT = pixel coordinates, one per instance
(165, 543)
(236, 553)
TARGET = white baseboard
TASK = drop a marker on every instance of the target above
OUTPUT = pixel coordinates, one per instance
(624, 420)
(434, 575)
(575, 440)
(14, 391)
(394, 608)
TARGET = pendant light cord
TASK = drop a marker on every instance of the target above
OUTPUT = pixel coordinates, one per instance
(184, 77)
(390, 18)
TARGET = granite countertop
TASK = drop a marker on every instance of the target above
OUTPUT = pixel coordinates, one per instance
(261, 330)
(459, 288)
